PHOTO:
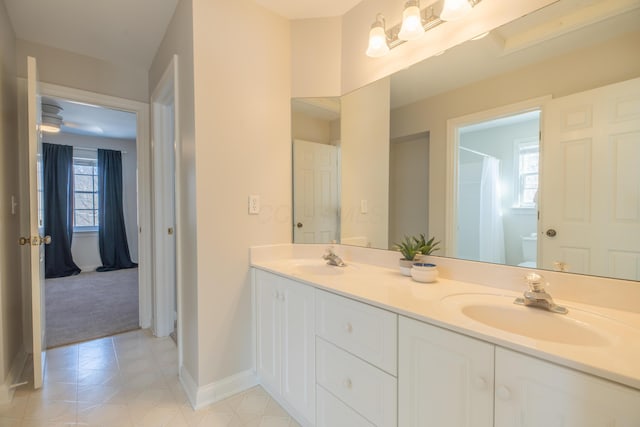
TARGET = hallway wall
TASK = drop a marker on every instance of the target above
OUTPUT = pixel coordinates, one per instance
(11, 326)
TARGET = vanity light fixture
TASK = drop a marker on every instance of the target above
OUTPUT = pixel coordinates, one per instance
(378, 43)
(415, 22)
(412, 27)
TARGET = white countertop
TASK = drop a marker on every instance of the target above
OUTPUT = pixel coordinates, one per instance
(386, 288)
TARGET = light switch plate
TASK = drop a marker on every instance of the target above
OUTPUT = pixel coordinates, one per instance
(364, 206)
(254, 204)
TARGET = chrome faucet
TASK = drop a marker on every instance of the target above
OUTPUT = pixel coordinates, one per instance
(536, 296)
(332, 258)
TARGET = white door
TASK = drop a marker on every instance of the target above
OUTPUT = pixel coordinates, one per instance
(36, 222)
(299, 348)
(444, 379)
(315, 192)
(532, 393)
(590, 193)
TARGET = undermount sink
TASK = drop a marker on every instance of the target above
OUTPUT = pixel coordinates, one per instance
(578, 327)
(316, 267)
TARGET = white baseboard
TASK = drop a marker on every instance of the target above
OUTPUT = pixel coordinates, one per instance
(14, 376)
(200, 397)
(88, 268)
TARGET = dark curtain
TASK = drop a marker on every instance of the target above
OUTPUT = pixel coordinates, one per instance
(114, 249)
(58, 209)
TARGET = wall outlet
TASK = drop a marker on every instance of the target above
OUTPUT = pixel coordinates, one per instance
(254, 205)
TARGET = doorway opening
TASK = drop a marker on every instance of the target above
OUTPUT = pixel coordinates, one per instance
(91, 304)
(81, 303)
(492, 197)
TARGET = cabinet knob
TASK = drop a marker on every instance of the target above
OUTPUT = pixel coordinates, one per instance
(480, 383)
(503, 393)
(347, 383)
(348, 328)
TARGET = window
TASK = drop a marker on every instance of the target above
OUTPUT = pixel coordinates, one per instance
(527, 163)
(85, 188)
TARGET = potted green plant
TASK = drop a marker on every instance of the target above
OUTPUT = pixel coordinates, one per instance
(427, 247)
(410, 249)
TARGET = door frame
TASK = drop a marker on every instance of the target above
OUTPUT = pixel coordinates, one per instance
(453, 142)
(145, 254)
(165, 97)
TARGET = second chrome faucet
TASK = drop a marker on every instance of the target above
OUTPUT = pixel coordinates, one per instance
(537, 296)
(332, 258)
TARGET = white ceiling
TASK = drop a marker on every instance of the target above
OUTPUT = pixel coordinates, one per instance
(120, 31)
(304, 9)
(126, 31)
(85, 119)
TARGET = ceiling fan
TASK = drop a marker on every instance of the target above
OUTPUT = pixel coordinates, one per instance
(53, 121)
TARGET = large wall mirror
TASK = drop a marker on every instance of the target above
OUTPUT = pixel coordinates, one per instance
(519, 147)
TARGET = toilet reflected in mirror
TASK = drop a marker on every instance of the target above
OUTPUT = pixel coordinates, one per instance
(529, 251)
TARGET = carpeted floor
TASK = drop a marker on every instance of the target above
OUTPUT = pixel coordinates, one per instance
(90, 305)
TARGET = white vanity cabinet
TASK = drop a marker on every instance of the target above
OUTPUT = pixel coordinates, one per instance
(444, 379)
(531, 392)
(285, 330)
(356, 363)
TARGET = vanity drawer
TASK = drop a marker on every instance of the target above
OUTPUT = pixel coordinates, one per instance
(331, 412)
(368, 332)
(365, 388)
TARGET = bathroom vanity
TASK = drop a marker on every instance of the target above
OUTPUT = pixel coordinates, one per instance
(364, 346)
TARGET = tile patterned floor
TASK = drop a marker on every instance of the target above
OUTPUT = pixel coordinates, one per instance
(128, 380)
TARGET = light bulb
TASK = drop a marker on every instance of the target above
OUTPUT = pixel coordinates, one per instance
(378, 45)
(454, 9)
(411, 22)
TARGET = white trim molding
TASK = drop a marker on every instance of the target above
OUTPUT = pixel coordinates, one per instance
(7, 389)
(166, 212)
(199, 397)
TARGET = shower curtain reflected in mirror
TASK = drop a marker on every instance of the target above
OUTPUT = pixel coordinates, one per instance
(480, 232)
(491, 232)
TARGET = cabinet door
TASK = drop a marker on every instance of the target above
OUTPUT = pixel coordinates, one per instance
(298, 348)
(444, 379)
(532, 393)
(268, 335)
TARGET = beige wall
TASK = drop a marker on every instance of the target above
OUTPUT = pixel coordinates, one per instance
(10, 276)
(562, 79)
(76, 71)
(243, 146)
(316, 57)
(359, 70)
(409, 187)
(178, 40)
(313, 129)
(365, 165)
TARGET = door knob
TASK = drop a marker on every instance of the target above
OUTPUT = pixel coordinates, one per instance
(35, 240)
(299, 225)
(551, 232)
(170, 231)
